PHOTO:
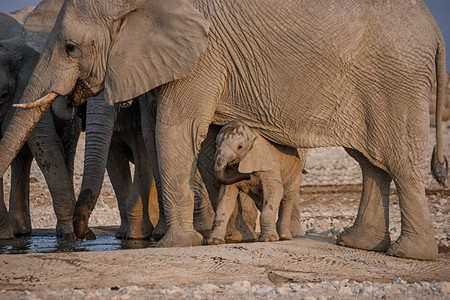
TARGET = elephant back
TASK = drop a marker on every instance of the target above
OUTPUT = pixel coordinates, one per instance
(128, 118)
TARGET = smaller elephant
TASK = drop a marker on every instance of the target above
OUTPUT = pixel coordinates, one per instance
(270, 174)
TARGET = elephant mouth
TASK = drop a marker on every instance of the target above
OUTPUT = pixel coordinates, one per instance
(81, 93)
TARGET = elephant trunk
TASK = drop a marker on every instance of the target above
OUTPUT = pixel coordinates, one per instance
(100, 120)
(229, 174)
(22, 124)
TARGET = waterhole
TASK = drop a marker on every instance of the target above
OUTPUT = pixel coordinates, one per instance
(45, 241)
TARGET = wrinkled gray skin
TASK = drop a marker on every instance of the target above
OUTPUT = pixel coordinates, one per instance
(52, 143)
(302, 73)
(113, 139)
(274, 175)
(206, 187)
(116, 131)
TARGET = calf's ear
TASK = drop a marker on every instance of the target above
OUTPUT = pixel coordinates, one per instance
(260, 158)
(156, 42)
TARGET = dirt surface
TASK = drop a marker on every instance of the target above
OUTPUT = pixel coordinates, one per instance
(305, 259)
(318, 268)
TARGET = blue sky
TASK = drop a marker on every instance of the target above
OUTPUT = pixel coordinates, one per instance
(439, 8)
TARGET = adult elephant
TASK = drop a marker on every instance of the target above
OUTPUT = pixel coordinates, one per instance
(52, 143)
(301, 73)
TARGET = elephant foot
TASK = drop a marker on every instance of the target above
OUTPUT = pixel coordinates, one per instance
(296, 228)
(20, 225)
(68, 237)
(180, 238)
(214, 241)
(268, 237)
(415, 246)
(160, 229)
(65, 231)
(234, 236)
(285, 234)
(365, 238)
(142, 230)
(21, 230)
(121, 233)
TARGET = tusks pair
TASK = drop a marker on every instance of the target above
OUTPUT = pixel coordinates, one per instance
(49, 98)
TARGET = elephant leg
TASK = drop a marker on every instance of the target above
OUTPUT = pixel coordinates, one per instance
(417, 237)
(147, 104)
(227, 203)
(161, 227)
(290, 198)
(203, 210)
(118, 169)
(268, 215)
(6, 230)
(49, 154)
(177, 148)
(370, 230)
(296, 225)
(285, 214)
(19, 199)
(242, 223)
(273, 193)
(139, 223)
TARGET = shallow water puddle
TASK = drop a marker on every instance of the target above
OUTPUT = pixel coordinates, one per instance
(51, 244)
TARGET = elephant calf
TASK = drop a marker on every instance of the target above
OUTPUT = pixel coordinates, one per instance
(246, 162)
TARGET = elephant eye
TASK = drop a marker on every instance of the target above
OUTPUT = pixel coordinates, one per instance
(239, 147)
(4, 94)
(70, 48)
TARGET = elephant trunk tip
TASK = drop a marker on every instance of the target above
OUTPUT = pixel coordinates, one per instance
(439, 170)
(47, 99)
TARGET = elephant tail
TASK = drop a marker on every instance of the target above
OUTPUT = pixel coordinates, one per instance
(439, 163)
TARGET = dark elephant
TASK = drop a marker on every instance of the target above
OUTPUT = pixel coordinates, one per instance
(113, 139)
(52, 143)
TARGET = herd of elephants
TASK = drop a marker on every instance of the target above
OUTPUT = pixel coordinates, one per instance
(217, 101)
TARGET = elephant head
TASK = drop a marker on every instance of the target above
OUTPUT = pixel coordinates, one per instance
(122, 47)
(238, 145)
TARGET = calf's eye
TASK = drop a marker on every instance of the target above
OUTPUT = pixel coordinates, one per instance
(239, 147)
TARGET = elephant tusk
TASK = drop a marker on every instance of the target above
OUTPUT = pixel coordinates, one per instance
(49, 98)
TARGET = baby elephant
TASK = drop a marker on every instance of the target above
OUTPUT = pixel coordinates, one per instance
(270, 174)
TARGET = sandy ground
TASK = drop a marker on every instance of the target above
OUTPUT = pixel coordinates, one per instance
(318, 268)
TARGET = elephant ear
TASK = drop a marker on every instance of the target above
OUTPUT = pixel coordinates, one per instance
(260, 158)
(39, 23)
(156, 43)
